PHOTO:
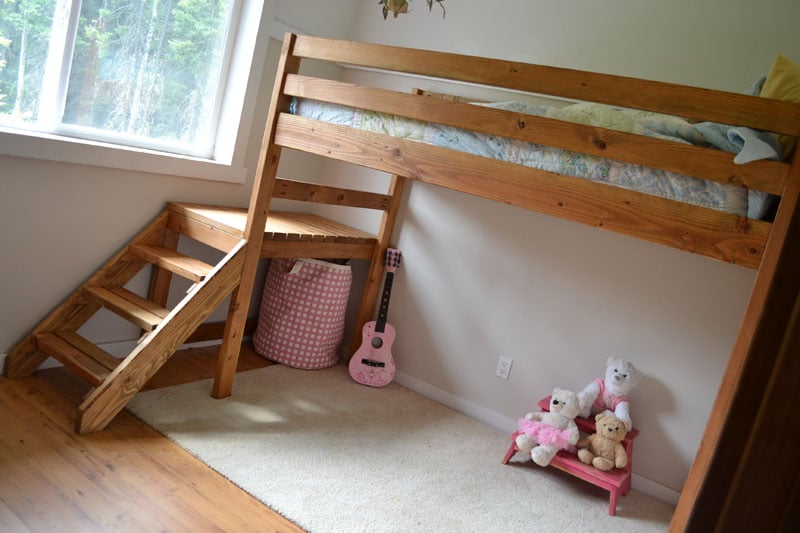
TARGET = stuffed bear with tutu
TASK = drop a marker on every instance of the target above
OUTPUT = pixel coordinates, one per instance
(543, 434)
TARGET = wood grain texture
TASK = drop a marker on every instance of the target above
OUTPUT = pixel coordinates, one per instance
(216, 236)
(128, 478)
(287, 189)
(257, 215)
(73, 357)
(754, 387)
(161, 278)
(174, 261)
(675, 224)
(104, 402)
(717, 493)
(372, 285)
(128, 305)
(75, 310)
(279, 226)
(705, 163)
(690, 102)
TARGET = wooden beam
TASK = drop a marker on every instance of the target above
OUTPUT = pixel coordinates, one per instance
(679, 225)
(168, 258)
(753, 391)
(321, 250)
(24, 357)
(257, 215)
(651, 152)
(104, 402)
(690, 102)
(373, 282)
(210, 331)
(132, 307)
(286, 189)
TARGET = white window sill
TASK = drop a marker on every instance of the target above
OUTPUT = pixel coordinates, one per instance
(82, 152)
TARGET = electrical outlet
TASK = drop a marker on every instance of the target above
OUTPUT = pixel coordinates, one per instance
(503, 367)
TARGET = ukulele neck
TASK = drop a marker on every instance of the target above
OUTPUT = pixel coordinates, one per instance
(383, 311)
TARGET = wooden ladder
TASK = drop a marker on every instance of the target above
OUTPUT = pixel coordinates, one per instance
(116, 381)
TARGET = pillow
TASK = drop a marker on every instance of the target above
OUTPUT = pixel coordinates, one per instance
(783, 83)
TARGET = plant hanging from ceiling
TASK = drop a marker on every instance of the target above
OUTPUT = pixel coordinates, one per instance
(401, 6)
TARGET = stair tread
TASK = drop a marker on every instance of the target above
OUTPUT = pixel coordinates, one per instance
(140, 311)
(188, 267)
(92, 350)
(67, 347)
(281, 225)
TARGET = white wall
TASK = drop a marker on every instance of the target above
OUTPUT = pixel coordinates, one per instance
(481, 280)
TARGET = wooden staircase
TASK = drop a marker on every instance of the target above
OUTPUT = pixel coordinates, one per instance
(243, 236)
(115, 381)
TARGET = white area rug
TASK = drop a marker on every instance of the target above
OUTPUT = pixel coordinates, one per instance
(333, 455)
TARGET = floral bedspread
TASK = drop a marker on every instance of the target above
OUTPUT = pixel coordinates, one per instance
(722, 197)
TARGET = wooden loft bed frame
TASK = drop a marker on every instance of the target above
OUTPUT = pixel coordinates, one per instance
(755, 403)
(761, 385)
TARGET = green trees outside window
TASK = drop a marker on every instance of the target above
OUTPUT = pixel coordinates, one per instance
(145, 72)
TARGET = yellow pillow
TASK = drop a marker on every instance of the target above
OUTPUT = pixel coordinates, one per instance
(783, 83)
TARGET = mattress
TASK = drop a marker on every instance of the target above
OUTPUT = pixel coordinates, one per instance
(688, 189)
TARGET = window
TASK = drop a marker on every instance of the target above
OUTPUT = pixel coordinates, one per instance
(154, 74)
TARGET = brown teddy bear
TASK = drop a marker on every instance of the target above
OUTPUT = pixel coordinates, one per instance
(604, 448)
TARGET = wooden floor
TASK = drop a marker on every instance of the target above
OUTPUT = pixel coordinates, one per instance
(126, 478)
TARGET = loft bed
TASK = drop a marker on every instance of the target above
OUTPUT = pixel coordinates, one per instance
(759, 375)
(732, 237)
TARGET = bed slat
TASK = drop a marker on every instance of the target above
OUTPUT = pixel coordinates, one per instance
(722, 236)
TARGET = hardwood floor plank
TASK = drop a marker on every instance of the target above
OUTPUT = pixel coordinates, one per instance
(9, 520)
(126, 478)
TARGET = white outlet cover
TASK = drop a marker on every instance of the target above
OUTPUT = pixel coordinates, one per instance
(503, 366)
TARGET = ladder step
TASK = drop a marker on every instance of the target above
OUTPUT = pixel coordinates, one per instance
(183, 265)
(144, 313)
(90, 362)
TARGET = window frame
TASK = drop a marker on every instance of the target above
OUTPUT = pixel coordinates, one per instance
(244, 65)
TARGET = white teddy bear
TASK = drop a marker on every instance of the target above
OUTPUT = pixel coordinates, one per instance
(544, 433)
(611, 394)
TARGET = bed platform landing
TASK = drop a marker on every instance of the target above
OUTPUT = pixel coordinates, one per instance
(761, 384)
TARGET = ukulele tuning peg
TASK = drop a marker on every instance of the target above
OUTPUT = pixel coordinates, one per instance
(393, 257)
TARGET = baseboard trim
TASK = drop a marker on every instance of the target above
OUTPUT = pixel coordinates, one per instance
(508, 425)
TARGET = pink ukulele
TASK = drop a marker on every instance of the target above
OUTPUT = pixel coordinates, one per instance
(373, 364)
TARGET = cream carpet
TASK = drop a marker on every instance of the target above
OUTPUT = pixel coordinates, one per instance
(333, 455)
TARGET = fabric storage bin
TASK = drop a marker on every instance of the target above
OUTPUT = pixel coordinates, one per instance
(302, 312)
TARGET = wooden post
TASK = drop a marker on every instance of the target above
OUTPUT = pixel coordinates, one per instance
(750, 430)
(372, 285)
(263, 184)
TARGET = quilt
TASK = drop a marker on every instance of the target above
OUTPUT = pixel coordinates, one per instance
(723, 197)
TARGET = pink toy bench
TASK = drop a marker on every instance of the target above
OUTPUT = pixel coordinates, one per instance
(617, 480)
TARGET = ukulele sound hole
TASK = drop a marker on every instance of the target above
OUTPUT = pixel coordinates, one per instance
(377, 342)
